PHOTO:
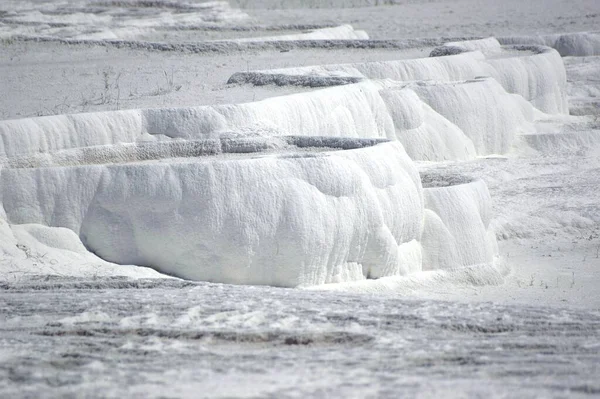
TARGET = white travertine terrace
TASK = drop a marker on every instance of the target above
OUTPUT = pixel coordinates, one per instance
(299, 190)
(270, 213)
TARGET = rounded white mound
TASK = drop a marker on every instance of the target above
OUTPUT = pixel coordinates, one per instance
(457, 229)
(576, 142)
(284, 212)
(459, 246)
(535, 72)
(37, 250)
(434, 121)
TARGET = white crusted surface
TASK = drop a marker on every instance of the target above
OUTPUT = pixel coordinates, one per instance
(452, 67)
(575, 44)
(281, 220)
(342, 32)
(425, 134)
(535, 72)
(434, 121)
(34, 249)
(457, 229)
(486, 114)
(540, 78)
(356, 111)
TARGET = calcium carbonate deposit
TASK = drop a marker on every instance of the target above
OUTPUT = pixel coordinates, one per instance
(534, 72)
(287, 218)
(160, 188)
(284, 199)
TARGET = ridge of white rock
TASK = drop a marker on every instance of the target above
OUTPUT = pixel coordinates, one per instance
(457, 211)
(223, 193)
(479, 118)
(284, 211)
(535, 72)
(488, 115)
(488, 45)
(540, 78)
(284, 218)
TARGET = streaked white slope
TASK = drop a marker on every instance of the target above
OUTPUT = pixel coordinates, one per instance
(289, 211)
(434, 121)
(461, 66)
(576, 44)
(288, 218)
(223, 193)
(535, 72)
(584, 85)
(458, 241)
(486, 114)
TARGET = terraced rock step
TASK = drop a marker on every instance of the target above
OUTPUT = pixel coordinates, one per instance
(297, 215)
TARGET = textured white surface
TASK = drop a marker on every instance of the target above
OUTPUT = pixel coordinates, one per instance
(281, 215)
(449, 68)
(342, 32)
(535, 72)
(457, 229)
(35, 249)
(434, 121)
(486, 114)
(287, 220)
(354, 111)
(540, 78)
(129, 19)
(425, 134)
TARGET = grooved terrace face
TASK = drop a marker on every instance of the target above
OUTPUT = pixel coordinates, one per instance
(433, 179)
(201, 150)
(254, 198)
(286, 218)
(254, 193)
